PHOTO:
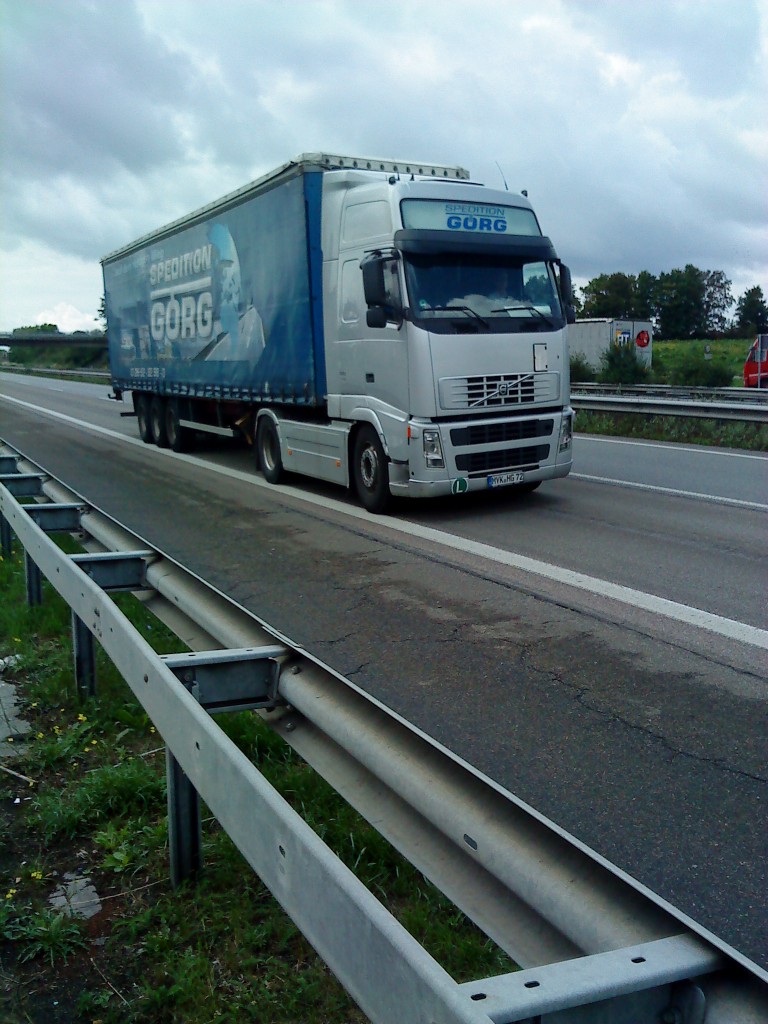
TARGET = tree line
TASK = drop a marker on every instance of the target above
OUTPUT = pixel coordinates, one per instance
(688, 303)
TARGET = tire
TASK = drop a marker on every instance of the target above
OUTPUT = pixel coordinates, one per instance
(179, 438)
(268, 450)
(157, 421)
(370, 471)
(142, 417)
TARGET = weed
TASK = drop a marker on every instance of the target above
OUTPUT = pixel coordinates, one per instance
(129, 846)
(91, 1003)
(46, 933)
(109, 791)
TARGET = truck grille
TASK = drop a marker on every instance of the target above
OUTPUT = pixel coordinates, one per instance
(480, 463)
(482, 434)
(498, 390)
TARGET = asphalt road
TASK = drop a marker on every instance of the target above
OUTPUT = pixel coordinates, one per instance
(594, 647)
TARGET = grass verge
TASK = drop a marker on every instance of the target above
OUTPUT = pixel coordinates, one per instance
(84, 801)
(675, 429)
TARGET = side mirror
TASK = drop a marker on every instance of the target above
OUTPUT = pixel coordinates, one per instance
(374, 289)
(566, 285)
(566, 288)
(376, 317)
(381, 290)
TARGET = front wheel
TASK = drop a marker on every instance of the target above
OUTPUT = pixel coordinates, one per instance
(268, 450)
(370, 471)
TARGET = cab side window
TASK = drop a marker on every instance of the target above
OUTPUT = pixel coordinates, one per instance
(351, 292)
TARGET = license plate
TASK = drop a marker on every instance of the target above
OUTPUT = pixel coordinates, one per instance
(505, 479)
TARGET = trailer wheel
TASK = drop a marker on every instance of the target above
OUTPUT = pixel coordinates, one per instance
(179, 438)
(370, 471)
(142, 417)
(268, 450)
(157, 421)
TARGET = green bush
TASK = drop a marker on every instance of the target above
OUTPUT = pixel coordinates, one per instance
(620, 365)
(581, 370)
(695, 370)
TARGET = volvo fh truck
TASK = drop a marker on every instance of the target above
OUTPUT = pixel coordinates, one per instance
(386, 325)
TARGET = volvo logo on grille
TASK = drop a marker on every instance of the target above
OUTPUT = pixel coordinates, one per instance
(504, 389)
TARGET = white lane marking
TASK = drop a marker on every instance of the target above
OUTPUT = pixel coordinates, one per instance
(731, 628)
(716, 499)
(697, 449)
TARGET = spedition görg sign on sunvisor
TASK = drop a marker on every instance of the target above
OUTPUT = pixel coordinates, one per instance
(472, 217)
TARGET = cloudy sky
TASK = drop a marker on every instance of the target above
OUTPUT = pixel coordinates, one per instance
(640, 130)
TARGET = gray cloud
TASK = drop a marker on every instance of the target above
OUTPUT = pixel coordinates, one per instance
(638, 131)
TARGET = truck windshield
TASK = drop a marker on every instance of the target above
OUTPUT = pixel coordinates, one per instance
(453, 293)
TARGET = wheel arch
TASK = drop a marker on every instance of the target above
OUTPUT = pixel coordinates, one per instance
(365, 417)
(264, 413)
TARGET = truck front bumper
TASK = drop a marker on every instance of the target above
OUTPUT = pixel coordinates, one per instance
(487, 455)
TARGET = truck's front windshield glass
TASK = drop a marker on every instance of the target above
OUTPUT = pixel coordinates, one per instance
(455, 292)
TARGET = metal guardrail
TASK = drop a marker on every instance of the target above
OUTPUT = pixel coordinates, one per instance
(732, 395)
(47, 371)
(583, 931)
(752, 408)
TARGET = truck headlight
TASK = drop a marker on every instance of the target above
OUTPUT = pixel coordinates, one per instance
(566, 432)
(433, 449)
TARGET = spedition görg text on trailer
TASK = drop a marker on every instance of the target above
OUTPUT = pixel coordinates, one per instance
(383, 325)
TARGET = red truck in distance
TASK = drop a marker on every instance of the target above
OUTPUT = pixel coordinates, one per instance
(756, 363)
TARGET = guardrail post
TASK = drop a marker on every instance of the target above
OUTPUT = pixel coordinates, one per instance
(185, 830)
(6, 537)
(109, 570)
(225, 680)
(85, 658)
(34, 582)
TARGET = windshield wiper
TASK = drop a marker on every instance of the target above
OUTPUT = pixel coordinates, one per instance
(530, 309)
(461, 309)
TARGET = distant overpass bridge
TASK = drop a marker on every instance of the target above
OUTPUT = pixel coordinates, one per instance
(40, 339)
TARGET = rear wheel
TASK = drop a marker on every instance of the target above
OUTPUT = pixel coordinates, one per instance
(268, 450)
(179, 438)
(142, 417)
(157, 421)
(370, 471)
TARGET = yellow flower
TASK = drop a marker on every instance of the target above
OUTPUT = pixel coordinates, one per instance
(152, 728)
(81, 718)
(37, 875)
(94, 742)
(10, 894)
(40, 735)
(17, 639)
(34, 705)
